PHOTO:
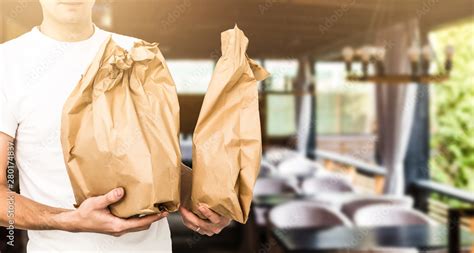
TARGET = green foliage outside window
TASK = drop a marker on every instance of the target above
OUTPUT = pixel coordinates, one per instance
(452, 110)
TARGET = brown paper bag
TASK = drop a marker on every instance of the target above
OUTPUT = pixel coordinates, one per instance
(120, 128)
(227, 140)
(186, 186)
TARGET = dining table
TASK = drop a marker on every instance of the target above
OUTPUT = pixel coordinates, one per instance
(272, 200)
(335, 200)
(343, 238)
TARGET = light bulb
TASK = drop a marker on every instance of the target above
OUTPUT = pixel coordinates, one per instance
(347, 53)
(449, 51)
(413, 53)
(365, 54)
(380, 54)
(426, 52)
(372, 50)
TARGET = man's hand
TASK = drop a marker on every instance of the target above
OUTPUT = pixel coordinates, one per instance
(210, 227)
(93, 215)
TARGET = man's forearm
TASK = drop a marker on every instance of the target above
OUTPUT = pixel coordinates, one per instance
(20, 212)
(30, 215)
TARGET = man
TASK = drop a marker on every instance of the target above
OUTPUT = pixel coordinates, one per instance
(38, 70)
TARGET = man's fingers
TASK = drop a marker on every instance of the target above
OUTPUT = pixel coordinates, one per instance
(212, 216)
(194, 228)
(109, 198)
(194, 222)
(134, 223)
(199, 230)
(189, 218)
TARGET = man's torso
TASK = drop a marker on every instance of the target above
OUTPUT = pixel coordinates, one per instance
(37, 77)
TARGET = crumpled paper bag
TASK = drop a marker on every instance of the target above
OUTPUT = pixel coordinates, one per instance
(227, 143)
(120, 128)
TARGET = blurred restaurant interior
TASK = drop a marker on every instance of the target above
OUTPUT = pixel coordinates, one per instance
(367, 118)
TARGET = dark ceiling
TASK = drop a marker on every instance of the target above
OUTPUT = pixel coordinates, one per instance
(276, 28)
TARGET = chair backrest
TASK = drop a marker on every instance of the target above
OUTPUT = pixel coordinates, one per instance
(351, 207)
(277, 155)
(267, 169)
(271, 185)
(300, 214)
(389, 215)
(326, 184)
(299, 166)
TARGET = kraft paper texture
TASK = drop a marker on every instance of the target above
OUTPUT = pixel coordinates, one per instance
(227, 143)
(120, 128)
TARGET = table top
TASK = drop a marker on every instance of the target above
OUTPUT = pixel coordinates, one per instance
(331, 199)
(422, 237)
(274, 200)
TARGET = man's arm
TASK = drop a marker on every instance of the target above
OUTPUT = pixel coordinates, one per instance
(92, 216)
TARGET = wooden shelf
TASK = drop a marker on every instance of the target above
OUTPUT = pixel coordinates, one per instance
(399, 79)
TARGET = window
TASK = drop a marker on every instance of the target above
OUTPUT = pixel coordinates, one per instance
(343, 108)
(280, 107)
(345, 112)
(452, 110)
(191, 76)
(282, 73)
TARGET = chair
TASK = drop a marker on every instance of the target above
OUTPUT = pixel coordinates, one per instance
(272, 185)
(267, 169)
(301, 214)
(276, 155)
(326, 184)
(389, 215)
(351, 207)
(269, 186)
(298, 166)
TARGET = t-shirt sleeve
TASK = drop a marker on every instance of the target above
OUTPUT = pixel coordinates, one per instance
(8, 123)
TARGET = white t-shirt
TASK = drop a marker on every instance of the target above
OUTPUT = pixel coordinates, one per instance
(37, 74)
